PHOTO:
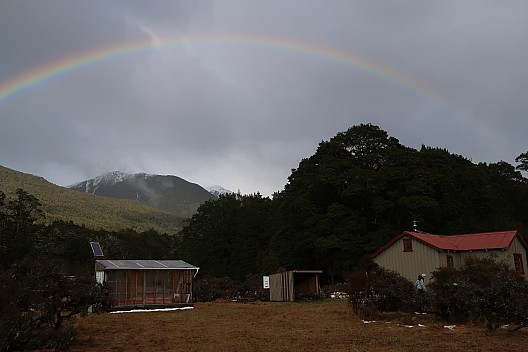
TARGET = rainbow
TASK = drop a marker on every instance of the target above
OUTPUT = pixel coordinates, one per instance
(61, 67)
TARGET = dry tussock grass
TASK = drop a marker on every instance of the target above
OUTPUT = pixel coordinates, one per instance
(265, 326)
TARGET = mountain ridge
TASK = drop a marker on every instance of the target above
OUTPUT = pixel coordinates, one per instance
(164, 192)
(95, 212)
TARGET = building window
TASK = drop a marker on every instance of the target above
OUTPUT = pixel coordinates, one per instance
(407, 245)
(449, 259)
(518, 262)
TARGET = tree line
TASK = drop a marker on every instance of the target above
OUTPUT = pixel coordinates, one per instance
(358, 190)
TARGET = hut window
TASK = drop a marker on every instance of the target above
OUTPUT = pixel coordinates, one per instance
(518, 261)
(449, 259)
(407, 245)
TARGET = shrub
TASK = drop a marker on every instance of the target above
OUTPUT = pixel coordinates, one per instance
(212, 288)
(37, 302)
(484, 290)
(450, 294)
(377, 290)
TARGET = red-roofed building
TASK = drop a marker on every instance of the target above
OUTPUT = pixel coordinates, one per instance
(413, 253)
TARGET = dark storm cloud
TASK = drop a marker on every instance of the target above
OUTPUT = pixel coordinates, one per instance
(243, 114)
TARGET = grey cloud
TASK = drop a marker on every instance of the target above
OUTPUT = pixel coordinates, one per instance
(241, 114)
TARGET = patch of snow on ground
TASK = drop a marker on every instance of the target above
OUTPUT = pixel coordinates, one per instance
(339, 295)
(151, 310)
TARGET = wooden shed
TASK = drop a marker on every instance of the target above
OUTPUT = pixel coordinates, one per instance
(147, 283)
(293, 285)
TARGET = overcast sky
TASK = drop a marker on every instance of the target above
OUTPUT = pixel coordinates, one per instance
(237, 93)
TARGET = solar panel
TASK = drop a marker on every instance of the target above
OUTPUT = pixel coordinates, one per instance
(96, 249)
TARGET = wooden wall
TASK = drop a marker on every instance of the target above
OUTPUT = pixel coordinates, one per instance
(145, 287)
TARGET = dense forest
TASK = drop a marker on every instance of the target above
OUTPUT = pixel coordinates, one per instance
(358, 190)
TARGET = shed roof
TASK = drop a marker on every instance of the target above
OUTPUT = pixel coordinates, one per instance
(462, 242)
(145, 264)
(298, 272)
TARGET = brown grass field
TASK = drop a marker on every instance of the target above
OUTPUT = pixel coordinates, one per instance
(327, 325)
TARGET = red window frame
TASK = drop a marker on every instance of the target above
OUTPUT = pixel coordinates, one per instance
(407, 244)
(518, 263)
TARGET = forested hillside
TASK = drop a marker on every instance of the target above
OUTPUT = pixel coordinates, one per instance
(356, 192)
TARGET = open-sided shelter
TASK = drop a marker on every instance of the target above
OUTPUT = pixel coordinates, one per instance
(147, 283)
(412, 253)
(292, 285)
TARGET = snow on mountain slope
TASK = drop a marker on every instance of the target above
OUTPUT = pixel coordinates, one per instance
(110, 178)
(217, 190)
(165, 192)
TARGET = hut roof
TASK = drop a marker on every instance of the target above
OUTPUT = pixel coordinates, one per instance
(145, 264)
(463, 242)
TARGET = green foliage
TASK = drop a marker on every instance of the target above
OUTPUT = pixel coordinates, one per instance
(38, 302)
(523, 160)
(17, 225)
(212, 288)
(129, 244)
(373, 290)
(229, 236)
(484, 290)
(356, 192)
(37, 298)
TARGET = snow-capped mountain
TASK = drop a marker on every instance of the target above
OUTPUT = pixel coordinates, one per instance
(108, 179)
(165, 192)
(217, 190)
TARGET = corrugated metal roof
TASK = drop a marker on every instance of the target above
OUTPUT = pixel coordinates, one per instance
(463, 242)
(307, 271)
(145, 264)
(467, 242)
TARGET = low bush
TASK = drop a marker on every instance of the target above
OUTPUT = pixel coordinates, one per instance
(376, 290)
(212, 288)
(38, 302)
(484, 290)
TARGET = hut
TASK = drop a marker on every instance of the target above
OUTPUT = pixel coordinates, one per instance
(413, 252)
(293, 285)
(136, 284)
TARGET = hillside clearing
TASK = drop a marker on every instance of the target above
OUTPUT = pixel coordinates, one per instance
(263, 326)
